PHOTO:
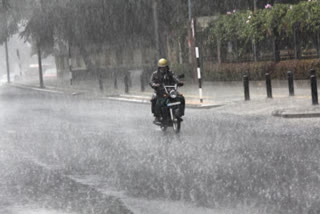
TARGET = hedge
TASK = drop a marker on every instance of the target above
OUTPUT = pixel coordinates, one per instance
(257, 70)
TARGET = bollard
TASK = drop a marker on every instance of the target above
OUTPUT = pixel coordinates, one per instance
(142, 82)
(268, 84)
(126, 84)
(129, 80)
(314, 90)
(312, 72)
(115, 83)
(246, 87)
(290, 83)
(115, 80)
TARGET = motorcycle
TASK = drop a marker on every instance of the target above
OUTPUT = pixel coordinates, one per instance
(171, 112)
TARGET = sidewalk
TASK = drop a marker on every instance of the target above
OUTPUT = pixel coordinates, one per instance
(215, 94)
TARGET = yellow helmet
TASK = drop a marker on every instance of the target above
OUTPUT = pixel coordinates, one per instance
(162, 63)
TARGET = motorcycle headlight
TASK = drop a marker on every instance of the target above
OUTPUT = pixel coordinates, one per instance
(173, 94)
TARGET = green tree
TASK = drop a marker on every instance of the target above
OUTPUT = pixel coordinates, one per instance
(90, 24)
(303, 20)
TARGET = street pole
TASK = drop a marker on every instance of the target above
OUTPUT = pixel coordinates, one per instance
(156, 27)
(4, 5)
(189, 10)
(199, 74)
(191, 41)
(192, 44)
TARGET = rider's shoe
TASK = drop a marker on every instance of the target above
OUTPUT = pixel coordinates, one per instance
(157, 121)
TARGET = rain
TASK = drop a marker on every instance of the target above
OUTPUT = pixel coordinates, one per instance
(87, 129)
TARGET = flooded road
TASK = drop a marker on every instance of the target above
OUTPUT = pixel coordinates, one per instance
(51, 143)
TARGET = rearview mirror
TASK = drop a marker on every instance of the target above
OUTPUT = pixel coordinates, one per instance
(181, 76)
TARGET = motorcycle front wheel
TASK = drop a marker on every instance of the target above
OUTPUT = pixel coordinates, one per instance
(163, 128)
(176, 126)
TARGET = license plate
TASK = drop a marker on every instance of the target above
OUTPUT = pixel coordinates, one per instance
(174, 104)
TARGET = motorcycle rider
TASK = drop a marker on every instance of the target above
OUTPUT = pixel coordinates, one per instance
(163, 76)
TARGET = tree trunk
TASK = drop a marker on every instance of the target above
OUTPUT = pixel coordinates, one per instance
(7, 60)
(180, 53)
(6, 46)
(169, 49)
(115, 79)
(40, 66)
(70, 64)
(236, 52)
(90, 66)
(219, 51)
(276, 49)
(255, 5)
(318, 44)
(297, 43)
(156, 27)
(254, 50)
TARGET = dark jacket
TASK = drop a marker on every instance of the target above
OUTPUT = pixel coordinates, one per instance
(158, 78)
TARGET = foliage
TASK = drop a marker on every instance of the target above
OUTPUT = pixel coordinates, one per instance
(257, 70)
(11, 14)
(273, 21)
(211, 7)
(305, 15)
(78, 20)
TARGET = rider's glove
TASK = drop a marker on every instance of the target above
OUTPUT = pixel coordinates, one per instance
(155, 85)
(180, 83)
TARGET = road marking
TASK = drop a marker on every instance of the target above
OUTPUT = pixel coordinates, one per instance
(11, 131)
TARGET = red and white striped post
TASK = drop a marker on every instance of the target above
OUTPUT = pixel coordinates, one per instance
(199, 74)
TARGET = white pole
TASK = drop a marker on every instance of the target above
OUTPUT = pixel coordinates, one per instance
(199, 73)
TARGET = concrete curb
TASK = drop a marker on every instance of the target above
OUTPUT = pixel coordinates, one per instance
(136, 99)
(47, 89)
(122, 98)
(284, 114)
(35, 88)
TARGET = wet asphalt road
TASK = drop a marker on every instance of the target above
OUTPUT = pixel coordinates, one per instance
(58, 131)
